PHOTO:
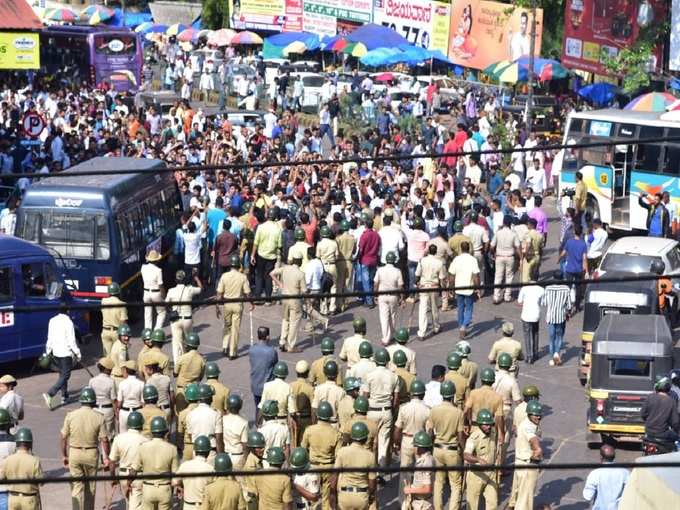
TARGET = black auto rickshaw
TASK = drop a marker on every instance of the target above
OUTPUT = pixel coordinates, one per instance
(629, 351)
(612, 298)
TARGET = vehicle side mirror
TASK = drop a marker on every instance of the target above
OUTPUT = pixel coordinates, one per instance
(55, 290)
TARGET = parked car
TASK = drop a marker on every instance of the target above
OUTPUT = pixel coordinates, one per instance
(635, 254)
(161, 100)
(312, 83)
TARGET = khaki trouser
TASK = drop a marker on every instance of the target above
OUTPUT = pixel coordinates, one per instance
(387, 310)
(313, 315)
(237, 459)
(232, 325)
(188, 451)
(109, 420)
(407, 456)
(525, 486)
(329, 305)
(505, 273)
(482, 484)
(530, 269)
(153, 297)
(134, 501)
(156, 497)
(482, 267)
(507, 420)
(343, 281)
(384, 420)
(421, 504)
(180, 330)
(325, 481)
(292, 314)
(352, 500)
(83, 463)
(302, 424)
(444, 457)
(22, 502)
(109, 336)
(428, 302)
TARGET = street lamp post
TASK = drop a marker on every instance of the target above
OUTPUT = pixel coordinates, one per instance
(532, 49)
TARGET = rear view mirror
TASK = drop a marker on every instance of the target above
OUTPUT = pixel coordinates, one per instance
(55, 290)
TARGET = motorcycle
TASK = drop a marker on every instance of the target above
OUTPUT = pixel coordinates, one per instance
(655, 446)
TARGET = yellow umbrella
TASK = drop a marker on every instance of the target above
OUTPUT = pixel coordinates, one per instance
(297, 47)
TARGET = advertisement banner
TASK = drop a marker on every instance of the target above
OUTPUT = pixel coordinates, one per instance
(416, 20)
(320, 17)
(293, 20)
(360, 11)
(674, 53)
(482, 33)
(19, 50)
(594, 29)
(257, 14)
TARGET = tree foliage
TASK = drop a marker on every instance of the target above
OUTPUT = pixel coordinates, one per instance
(215, 14)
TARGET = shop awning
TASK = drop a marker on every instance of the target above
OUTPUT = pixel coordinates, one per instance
(18, 15)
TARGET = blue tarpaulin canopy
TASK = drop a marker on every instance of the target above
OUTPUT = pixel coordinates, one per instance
(274, 45)
(601, 94)
(132, 19)
(375, 36)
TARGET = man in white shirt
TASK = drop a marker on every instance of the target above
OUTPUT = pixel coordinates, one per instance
(391, 238)
(530, 298)
(596, 242)
(433, 396)
(313, 272)
(536, 177)
(61, 344)
(519, 41)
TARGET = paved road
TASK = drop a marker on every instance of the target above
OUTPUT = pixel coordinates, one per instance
(562, 395)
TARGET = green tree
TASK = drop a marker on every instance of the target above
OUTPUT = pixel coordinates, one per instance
(215, 14)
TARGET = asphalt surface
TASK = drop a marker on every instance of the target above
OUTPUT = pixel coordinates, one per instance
(561, 393)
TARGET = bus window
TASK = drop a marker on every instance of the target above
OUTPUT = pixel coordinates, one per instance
(647, 157)
(651, 132)
(6, 287)
(33, 276)
(102, 243)
(576, 126)
(124, 236)
(671, 160)
(595, 155)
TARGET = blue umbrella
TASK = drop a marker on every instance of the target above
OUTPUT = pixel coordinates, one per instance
(674, 83)
(379, 57)
(600, 94)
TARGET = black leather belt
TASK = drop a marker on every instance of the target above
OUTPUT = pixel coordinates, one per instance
(164, 407)
(104, 406)
(109, 328)
(157, 484)
(130, 409)
(83, 447)
(152, 290)
(446, 446)
(354, 489)
(387, 408)
(187, 319)
(192, 503)
(27, 494)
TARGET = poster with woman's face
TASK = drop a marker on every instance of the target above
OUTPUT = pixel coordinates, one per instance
(483, 33)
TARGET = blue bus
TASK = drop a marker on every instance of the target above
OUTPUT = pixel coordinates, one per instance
(102, 226)
(29, 277)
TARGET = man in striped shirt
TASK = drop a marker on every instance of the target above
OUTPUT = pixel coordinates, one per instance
(557, 302)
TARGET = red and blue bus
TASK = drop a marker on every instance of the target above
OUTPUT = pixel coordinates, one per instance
(94, 55)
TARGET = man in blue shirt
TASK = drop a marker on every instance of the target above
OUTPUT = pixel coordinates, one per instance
(574, 251)
(262, 357)
(658, 224)
(216, 216)
(604, 486)
(494, 182)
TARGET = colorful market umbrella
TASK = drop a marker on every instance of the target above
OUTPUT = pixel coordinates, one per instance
(553, 71)
(221, 37)
(338, 45)
(356, 49)
(97, 14)
(674, 106)
(296, 47)
(512, 73)
(175, 29)
(246, 37)
(61, 14)
(651, 102)
(204, 33)
(187, 35)
(384, 77)
(144, 27)
(494, 69)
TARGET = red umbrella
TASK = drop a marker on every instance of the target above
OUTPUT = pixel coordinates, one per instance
(384, 77)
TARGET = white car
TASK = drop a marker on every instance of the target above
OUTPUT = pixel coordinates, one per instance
(312, 83)
(635, 255)
(241, 72)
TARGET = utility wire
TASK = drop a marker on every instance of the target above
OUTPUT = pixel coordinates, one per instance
(282, 297)
(401, 157)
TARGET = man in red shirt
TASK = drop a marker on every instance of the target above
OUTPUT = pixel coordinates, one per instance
(369, 254)
(225, 245)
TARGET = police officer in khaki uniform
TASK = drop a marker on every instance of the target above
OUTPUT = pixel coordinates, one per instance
(401, 337)
(181, 326)
(506, 246)
(419, 491)
(329, 391)
(388, 278)
(82, 434)
(486, 398)
(23, 464)
(506, 386)
(157, 456)
(274, 490)
(299, 249)
(192, 490)
(291, 280)
(150, 408)
(346, 248)
(382, 389)
(453, 362)
(163, 385)
(430, 273)
(235, 431)
(306, 486)
(276, 432)
(350, 347)
(301, 395)
(220, 391)
(112, 317)
(532, 249)
(223, 492)
(152, 280)
(203, 420)
(129, 396)
(508, 345)
(360, 412)
(355, 490)
(232, 285)
(446, 423)
(405, 378)
(528, 451)
(124, 450)
(189, 369)
(530, 393)
(411, 418)
(156, 353)
(328, 253)
(323, 440)
(351, 386)
(119, 352)
(183, 438)
(458, 238)
(316, 375)
(468, 368)
(105, 391)
(365, 364)
(480, 448)
(146, 349)
(279, 390)
(253, 463)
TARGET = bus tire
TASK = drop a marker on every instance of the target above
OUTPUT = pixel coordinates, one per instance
(593, 440)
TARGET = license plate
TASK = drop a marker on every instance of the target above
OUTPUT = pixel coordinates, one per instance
(627, 409)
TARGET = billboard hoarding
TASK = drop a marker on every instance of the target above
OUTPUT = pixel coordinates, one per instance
(415, 20)
(257, 14)
(320, 17)
(359, 11)
(482, 33)
(674, 50)
(19, 50)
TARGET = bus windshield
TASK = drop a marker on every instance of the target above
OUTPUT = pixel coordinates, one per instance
(76, 235)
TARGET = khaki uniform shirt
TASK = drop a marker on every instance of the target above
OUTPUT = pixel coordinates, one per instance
(252, 463)
(362, 369)
(381, 385)
(301, 394)
(446, 421)
(327, 251)
(83, 428)
(293, 282)
(190, 367)
(155, 457)
(405, 380)
(346, 245)
(331, 393)
(316, 375)
(430, 271)
(223, 494)
(412, 417)
(455, 241)
(152, 276)
(372, 441)
(104, 388)
(444, 251)
(118, 355)
(204, 421)
(220, 395)
(506, 242)
(235, 433)
(298, 251)
(130, 392)
(462, 388)
(354, 456)
(279, 390)
(478, 235)
(581, 196)
(194, 487)
(345, 410)
(322, 440)
(469, 369)
(142, 358)
(163, 386)
(388, 277)
(182, 423)
(533, 244)
(526, 431)
(124, 448)
(275, 433)
(519, 414)
(350, 349)
(22, 464)
(511, 346)
(182, 293)
(506, 386)
(522, 231)
(484, 448)
(484, 398)
(157, 356)
(423, 478)
(410, 357)
(113, 317)
(273, 491)
(149, 412)
(233, 284)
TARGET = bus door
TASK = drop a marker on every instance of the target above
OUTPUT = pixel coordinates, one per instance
(10, 329)
(623, 164)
